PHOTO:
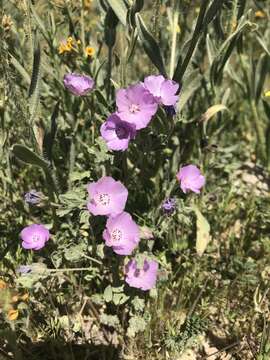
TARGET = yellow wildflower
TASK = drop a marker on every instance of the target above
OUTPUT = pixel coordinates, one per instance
(6, 22)
(79, 42)
(3, 285)
(64, 47)
(87, 3)
(15, 298)
(259, 14)
(70, 40)
(267, 93)
(13, 314)
(89, 51)
(24, 297)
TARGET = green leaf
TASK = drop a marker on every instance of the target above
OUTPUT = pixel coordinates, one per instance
(108, 294)
(119, 9)
(213, 9)
(138, 304)
(50, 134)
(20, 69)
(263, 45)
(75, 252)
(261, 72)
(136, 324)
(110, 320)
(150, 45)
(33, 92)
(40, 24)
(181, 67)
(119, 299)
(203, 232)
(191, 82)
(26, 155)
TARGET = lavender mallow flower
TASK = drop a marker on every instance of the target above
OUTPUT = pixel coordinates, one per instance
(117, 133)
(169, 205)
(121, 234)
(145, 278)
(77, 84)
(190, 178)
(136, 105)
(106, 197)
(34, 236)
(163, 90)
(33, 197)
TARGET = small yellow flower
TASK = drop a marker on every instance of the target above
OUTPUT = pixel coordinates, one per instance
(267, 93)
(13, 314)
(15, 298)
(79, 42)
(70, 40)
(3, 285)
(259, 14)
(24, 297)
(89, 51)
(87, 3)
(64, 47)
(6, 22)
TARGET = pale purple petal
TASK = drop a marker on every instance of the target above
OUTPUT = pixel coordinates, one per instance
(190, 178)
(117, 133)
(136, 105)
(163, 90)
(167, 93)
(34, 236)
(106, 197)
(78, 84)
(121, 234)
(145, 278)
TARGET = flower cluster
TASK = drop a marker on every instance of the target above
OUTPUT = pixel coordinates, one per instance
(74, 46)
(108, 197)
(136, 106)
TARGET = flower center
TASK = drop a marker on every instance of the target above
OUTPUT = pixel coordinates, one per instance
(116, 235)
(103, 199)
(134, 108)
(35, 238)
(121, 132)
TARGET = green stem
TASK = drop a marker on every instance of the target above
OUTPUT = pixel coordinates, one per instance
(259, 130)
(174, 37)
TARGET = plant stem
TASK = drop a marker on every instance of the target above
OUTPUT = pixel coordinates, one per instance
(174, 37)
(259, 130)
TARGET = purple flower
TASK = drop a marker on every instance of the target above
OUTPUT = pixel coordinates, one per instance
(168, 205)
(24, 269)
(106, 197)
(145, 278)
(117, 133)
(121, 234)
(136, 105)
(163, 90)
(170, 110)
(190, 178)
(34, 236)
(78, 84)
(33, 197)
